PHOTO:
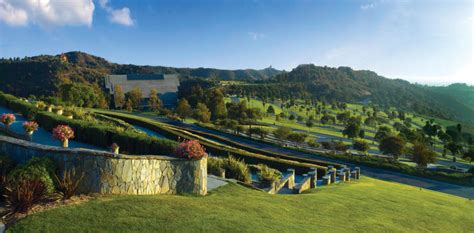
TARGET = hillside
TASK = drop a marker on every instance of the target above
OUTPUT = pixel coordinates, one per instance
(348, 85)
(43, 75)
(368, 204)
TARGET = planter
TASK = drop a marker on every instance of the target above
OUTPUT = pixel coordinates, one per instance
(7, 126)
(116, 150)
(50, 108)
(66, 143)
(59, 112)
(29, 133)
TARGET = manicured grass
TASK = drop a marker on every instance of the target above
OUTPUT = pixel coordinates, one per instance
(367, 205)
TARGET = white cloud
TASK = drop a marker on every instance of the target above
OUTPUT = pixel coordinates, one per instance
(46, 13)
(367, 6)
(256, 35)
(120, 16)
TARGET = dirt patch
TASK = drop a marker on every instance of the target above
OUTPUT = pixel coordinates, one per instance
(8, 220)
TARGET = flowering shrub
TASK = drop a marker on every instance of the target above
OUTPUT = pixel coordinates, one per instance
(30, 126)
(63, 132)
(8, 118)
(191, 149)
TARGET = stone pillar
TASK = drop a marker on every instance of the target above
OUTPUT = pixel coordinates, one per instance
(327, 180)
(222, 173)
(314, 179)
(201, 179)
(348, 174)
(358, 172)
(333, 175)
(342, 176)
(291, 180)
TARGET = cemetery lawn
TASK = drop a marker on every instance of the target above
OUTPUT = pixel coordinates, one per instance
(368, 204)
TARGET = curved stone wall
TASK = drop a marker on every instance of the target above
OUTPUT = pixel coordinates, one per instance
(108, 173)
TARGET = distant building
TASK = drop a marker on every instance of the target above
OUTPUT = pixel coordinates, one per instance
(166, 85)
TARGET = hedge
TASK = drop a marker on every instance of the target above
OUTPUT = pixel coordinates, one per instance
(90, 132)
(282, 162)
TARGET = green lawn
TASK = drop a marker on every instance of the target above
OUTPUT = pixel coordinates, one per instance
(367, 205)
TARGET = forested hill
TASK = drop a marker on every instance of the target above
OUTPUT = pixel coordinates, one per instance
(43, 75)
(348, 85)
(460, 91)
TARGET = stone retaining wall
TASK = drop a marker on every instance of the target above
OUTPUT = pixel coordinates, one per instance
(108, 173)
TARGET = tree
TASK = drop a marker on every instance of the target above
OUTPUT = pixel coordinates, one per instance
(82, 95)
(422, 155)
(297, 137)
(309, 124)
(282, 132)
(352, 129)
(135, 97)
(362, 133)
(343, 117)
(454, 148)
(392, 145)
(382, 133)
(270, 110)
(360, 145)
(469, 155)
(119, 97)
(202, 113)
(215, 102)
(183, 109)
(154, 101)
(258, 131)
(129, 105)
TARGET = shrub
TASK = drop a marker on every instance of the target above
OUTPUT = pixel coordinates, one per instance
(36, 169)
(191, 149)
(21, 197)
(267, 175)
(360, 145)
(282, 132)
(237, 169)
(68, 183)
(297, 137)
(215, 166)
(313, 144)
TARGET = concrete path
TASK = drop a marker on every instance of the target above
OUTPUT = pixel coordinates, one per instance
(214, 182)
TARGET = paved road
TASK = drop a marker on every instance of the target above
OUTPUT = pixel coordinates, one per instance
(462, 191)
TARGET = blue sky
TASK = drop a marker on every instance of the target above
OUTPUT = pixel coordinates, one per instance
(420, 41)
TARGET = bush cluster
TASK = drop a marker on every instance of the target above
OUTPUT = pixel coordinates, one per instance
(234, 168)
(25, 185)
(267, 175)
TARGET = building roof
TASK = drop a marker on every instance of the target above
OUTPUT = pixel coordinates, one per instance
(163, 83)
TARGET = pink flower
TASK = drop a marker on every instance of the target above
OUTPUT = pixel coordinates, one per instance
(30, 126)
(8, 118)
(191, 149)
(63, 133)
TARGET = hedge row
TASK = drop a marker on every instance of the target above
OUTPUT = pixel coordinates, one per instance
(281, 163)
(92, 133)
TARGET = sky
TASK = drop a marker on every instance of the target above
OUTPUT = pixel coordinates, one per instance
(423, 41)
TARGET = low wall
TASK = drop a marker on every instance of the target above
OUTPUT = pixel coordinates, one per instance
(109, 173)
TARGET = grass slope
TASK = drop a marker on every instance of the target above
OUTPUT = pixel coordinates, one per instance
(367, 205)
